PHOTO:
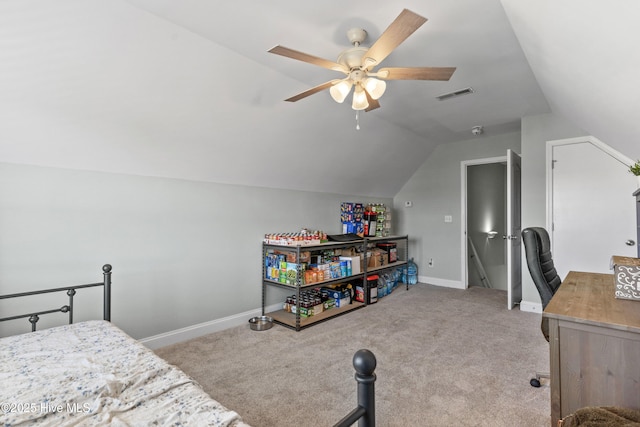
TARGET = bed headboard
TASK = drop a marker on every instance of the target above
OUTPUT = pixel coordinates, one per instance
(67, 308)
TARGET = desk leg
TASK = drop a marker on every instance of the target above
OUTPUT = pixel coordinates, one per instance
(554, 370)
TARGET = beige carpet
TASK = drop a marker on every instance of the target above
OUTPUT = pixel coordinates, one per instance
(446, 357)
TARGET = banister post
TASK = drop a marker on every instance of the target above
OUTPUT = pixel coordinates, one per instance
(364, 362)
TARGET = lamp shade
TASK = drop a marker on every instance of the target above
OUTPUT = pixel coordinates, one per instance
(360, 101)
(375, 87)
(339, 91)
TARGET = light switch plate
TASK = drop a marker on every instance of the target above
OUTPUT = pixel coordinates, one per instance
(408, 204)
(448, 218)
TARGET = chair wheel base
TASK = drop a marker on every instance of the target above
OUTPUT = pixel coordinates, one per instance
(534, 382)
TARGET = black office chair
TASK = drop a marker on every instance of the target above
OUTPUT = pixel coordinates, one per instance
(543, 272)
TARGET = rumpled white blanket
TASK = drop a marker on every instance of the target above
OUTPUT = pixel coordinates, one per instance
(94, 374)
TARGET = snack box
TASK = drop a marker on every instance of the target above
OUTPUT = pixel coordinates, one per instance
(355, 263)
(336, 294)
(343, 301)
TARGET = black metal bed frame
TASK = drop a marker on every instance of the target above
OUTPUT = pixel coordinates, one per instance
(364, 362)
(68, 308)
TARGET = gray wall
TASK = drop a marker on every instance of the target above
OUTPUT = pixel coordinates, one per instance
(435, 190)
(189, 252)
(182, 252)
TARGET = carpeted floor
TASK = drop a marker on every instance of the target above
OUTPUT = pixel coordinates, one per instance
(446, 357)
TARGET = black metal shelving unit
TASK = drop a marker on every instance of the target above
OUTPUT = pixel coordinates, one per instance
(296, 321)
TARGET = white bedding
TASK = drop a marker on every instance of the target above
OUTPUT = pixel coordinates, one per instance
(94, 374)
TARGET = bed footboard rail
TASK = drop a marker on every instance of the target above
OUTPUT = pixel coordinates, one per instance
(67, 308)
(364, 362)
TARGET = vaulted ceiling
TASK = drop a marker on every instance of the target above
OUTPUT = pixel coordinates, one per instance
(187, 89)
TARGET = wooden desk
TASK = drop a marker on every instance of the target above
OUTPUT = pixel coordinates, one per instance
(594, 343)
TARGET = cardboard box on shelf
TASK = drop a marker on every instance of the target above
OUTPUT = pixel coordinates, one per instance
(317, 309)
(343, 301)
(336, 294)
(378, 258)
(291, 274)
(391, 249)
(329, 304)
(305, 256)
(351, 251)
(355, 263)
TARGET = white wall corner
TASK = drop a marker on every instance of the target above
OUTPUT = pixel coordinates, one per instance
(195, 331)
(533, 307)
(456, 284)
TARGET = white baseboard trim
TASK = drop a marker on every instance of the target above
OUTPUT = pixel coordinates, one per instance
(533, 307)
(195, 331)
(441, 282)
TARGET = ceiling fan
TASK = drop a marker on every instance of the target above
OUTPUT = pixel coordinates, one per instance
(358, 62)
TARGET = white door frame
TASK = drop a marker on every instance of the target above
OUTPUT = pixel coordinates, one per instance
(463, 215)
(549, 167)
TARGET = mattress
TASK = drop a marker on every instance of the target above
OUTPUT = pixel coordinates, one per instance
(94, 374)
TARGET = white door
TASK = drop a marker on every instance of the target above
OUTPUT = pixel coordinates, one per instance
(514, 227)
(593, 211)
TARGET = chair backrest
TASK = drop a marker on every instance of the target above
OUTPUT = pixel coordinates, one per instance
(543, 272)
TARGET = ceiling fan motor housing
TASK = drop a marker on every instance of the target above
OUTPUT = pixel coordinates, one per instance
(356, 36)
(352, 57)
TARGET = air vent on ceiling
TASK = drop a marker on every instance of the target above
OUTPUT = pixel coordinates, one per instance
(453, 94)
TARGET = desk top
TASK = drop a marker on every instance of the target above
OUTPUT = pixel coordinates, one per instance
(590, 298)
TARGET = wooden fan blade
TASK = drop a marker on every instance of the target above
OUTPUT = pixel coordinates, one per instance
(305, 57)
(311, 91)
(416, 73)
(401, 28)
(373, 103)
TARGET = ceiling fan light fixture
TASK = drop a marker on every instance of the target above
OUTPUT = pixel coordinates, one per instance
(375, 87)
(360, 101)
(339, 91)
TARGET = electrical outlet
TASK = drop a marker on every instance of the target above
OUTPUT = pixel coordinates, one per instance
(448, 218)
(430, 262)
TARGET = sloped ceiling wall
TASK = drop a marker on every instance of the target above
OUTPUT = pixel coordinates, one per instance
(187, 89)
(112, 86)
(585, 56)
(103, 85)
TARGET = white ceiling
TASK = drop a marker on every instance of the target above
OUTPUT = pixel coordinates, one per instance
(187, 89)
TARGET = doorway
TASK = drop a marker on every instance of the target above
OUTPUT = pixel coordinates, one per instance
(491, 244)
(486, 224)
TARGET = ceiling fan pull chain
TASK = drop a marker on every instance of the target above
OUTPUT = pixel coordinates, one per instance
(358, 120)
